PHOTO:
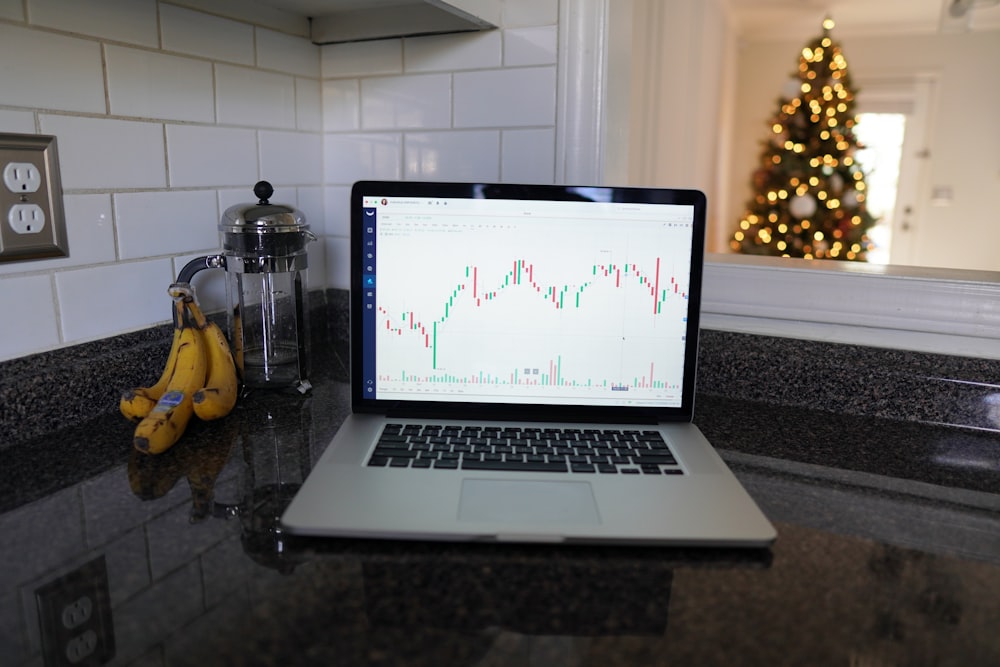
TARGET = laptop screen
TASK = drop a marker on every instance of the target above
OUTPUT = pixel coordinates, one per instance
(568, 299)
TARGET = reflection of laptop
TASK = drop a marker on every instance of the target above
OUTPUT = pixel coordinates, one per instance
(523, 369)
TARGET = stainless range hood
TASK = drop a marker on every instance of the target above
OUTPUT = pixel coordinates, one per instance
(336, 21)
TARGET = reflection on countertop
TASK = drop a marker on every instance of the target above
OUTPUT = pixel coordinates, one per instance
(888, 553)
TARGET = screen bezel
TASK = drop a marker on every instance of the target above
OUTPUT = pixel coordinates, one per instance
(521, 411)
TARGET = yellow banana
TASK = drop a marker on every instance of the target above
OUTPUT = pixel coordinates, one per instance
(166, 422)
(217, 398)
(136, 403)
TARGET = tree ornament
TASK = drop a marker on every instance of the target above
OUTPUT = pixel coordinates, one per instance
(802, 206)
(850, 199)
(836, 183)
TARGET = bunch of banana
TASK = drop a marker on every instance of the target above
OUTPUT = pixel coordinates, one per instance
(199, 378)
(136, 403)
(217, 398)
(166, 422)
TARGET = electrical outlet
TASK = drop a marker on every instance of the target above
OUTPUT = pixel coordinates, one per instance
(32, 224)
(74, 612)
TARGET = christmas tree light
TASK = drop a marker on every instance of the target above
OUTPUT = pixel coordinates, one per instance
(809, 192)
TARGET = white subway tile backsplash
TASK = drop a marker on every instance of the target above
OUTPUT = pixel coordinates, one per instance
(452, 156)
(341, 105)
(194, 33)
(12, 9)
(337, 204)
(308, 105)
(530, 46)
(53, 71)
(338, 262)
(29, 322)
(22, 122)
(351, 157)
(287, 53)
(383, 56)
(150, 224)
(529, 156)
(129, 21)
(440, 53)
(246, 96)
(205, 106)
(107, 153)
(311, 204)
(206, 156)
(506, 98)
(291, 158)
(520, 13)
(420, 101)
(153, 85)
(92, 300)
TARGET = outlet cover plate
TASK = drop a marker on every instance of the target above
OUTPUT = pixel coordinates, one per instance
(74, 612)
(40, 203)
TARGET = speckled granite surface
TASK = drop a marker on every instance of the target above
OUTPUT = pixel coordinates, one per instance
(888, 550)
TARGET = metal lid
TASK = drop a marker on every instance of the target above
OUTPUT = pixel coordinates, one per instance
(262, 217)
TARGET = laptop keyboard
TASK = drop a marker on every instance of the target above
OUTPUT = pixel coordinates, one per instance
(569, 450)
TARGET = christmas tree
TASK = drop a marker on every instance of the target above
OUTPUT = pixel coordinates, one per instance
(809, 192)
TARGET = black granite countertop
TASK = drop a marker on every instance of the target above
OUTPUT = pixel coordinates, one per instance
(888, 553)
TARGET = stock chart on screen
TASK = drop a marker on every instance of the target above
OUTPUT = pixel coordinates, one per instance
(557, 302)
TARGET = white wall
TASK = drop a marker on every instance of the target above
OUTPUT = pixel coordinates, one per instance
(466, 107)
(963, 139)
(664, 122)
(165, 116)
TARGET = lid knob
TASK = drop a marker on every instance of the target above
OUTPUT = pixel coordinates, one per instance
(263, 191)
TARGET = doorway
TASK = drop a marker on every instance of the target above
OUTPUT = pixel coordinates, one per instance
(892, 121)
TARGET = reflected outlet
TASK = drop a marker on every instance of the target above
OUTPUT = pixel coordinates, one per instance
(32, 225)
(74, 613)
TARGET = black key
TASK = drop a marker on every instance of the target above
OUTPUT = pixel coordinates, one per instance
(533, 466)
(673, 471)
(629, 471)
(653, 458)
(650, 469)
(583, 467)
(402, 454)
(380, 461)
(422, 463)
(606, 468)
(451, 464)
(397, 462)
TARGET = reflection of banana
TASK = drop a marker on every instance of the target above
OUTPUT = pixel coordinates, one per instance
(217, 398)
(166, 422)
(138, 402)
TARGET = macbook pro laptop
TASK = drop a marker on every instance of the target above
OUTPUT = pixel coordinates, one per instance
(523, 364)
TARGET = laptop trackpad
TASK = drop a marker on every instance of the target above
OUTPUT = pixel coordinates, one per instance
(524, 501)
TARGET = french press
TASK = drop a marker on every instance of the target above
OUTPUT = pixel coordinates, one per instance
(264, 256)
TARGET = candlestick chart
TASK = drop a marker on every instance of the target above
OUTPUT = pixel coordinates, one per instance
(563, 317)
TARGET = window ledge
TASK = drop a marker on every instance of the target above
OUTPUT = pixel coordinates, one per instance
(940, 311)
